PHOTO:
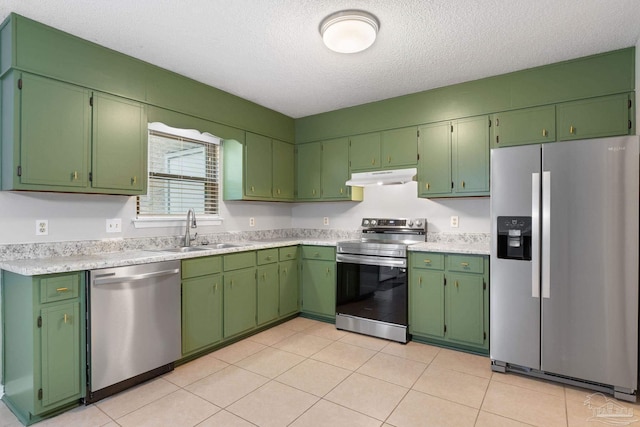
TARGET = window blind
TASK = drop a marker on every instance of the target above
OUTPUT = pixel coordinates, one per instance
(183, 175)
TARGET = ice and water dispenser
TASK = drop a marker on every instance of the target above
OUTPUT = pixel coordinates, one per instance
(514, 237)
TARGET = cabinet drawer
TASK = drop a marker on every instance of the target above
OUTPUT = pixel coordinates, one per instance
(288, 253)
(465, 263)
(427, 260)
(201, 266)
(59, 288)
(327, 253)
(267, 256)
(239, 260)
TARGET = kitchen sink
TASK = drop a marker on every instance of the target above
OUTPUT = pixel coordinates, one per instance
(182, 249)
(186, 249)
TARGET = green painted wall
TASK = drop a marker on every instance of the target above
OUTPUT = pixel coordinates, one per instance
(30, 46)
(597, 75)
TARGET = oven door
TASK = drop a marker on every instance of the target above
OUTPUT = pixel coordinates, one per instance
(372, 287)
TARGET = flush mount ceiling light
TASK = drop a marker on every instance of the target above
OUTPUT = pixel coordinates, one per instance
(349, 31)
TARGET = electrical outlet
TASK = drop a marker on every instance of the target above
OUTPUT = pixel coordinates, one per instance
(325, 220)
(114, 225)
(42, 227)
(252, 222)
(454, 221)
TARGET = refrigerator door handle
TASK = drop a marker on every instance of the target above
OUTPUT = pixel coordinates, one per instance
(535, 235)
(546, 234)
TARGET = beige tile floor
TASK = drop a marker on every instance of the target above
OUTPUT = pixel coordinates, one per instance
(307, 373)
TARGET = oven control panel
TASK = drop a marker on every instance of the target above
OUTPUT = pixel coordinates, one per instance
(397, 223)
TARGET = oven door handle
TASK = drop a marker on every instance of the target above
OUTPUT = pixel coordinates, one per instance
(371, 260)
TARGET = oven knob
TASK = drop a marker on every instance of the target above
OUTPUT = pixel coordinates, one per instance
(365, 222)
(374, 222)
(418, 223)
(410, 223)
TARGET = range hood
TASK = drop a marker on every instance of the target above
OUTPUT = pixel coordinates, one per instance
(385, 177)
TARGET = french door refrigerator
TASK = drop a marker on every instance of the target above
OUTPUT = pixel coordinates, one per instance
(564, 262)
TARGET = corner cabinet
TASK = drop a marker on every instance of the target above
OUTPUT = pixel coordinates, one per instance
(454, 158)
(449, 300)
(318, 276)
(65, 138)
(201, 303)
(43, 320)
(259, 168)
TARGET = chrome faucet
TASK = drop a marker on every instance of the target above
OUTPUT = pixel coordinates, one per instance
(191, 223)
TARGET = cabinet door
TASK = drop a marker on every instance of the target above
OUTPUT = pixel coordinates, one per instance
(283, 160)
(288, 287)
(364, 152)
(399, 147)
(258, 172)
(470, 156)
(319, 287)
(268, 293)
(335, 169)
(201, 312)
(119, 155)
(55, 133)
(309, 170)
(465, 308)
(592, 118)
(239, 301)
(426, 313)
(434, 167)
(527, 126)
(60, 353)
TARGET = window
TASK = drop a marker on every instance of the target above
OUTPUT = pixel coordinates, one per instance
(183, 173)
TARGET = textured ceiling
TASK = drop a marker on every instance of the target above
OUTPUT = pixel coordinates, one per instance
(270, 51)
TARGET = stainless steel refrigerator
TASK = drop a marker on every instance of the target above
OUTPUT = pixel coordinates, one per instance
(564, 262)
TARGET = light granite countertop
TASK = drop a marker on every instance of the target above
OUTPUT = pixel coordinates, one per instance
(61, 264)
(30, 260)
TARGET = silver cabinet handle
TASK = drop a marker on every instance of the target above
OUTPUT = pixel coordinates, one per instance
(546, 234)
(120, 279)
(535, 235)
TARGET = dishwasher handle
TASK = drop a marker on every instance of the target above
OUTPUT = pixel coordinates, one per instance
(111, 278)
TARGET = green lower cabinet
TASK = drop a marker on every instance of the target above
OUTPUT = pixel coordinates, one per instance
(43, 334)
(449, 300)
(427, 303)
(465, 308)
(289, 294)
(268, 293)
(201, 312)
(239, 301)
(319, 282)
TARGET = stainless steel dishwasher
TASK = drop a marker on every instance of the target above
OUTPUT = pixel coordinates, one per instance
(133, 325)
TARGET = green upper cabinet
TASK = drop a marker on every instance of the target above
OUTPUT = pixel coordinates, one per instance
(283, 161)
(309, 166)
(261, 168)
(470, 156)
(335, 169)
(390, 149)
(119, 155)
(526, 126)
(258, 171)
(65, 144)
(364, 152)
(434, 166)
(454, 158)
(55, 130)
(399, 148)
(596, 117)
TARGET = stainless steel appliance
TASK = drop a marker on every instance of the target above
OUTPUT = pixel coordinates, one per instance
(564, 262)
(133, 328)
(371, 296)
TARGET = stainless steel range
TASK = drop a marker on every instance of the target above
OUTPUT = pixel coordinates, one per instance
(371, 296)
